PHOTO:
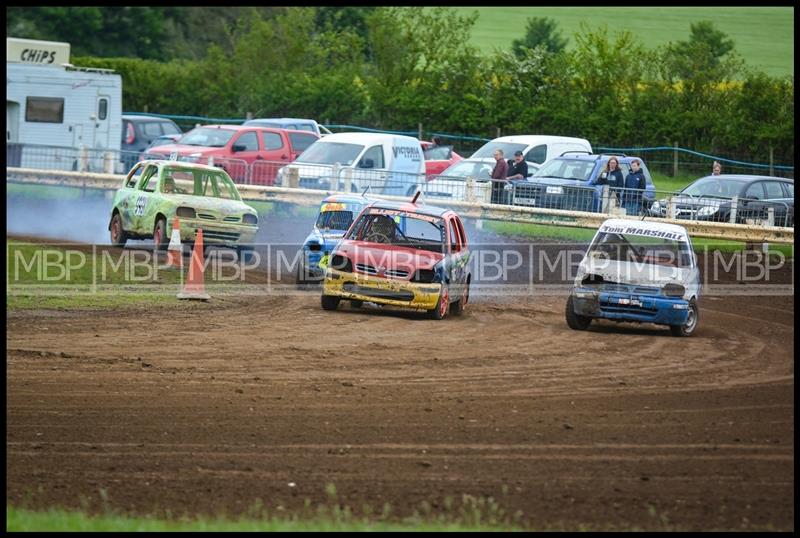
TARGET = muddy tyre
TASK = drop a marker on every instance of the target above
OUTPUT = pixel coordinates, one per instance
(459, 306)
(576, 321)
(442, 305)
(160, 240)
(688, 328)
(118, 234)
(329, 302)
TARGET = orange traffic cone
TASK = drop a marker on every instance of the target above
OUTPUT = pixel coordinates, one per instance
(194, 288)
(175, 249)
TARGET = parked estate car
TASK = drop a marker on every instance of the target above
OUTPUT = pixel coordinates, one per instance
(574, 181)
(401, 254)
(295, 124)
(640, 271)
(451, 184)
(154, 192)
(139, 131)
(537, 149)
(437, 158)
(710, 198)
(336, 214)
(236, 148)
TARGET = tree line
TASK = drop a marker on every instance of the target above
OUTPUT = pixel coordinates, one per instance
(394, 68)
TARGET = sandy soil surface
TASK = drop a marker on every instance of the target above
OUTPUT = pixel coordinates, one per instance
(206, 407)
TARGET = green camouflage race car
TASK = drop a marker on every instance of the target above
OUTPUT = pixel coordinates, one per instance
(201, 196)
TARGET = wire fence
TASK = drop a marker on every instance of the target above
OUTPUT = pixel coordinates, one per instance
(773, 205)
(667, 160)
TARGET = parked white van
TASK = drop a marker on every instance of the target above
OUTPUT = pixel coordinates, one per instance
(535, 148)
(387, 163)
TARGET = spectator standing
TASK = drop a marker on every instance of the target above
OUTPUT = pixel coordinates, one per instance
(518, 170)
(716, 168)
(635, 184)
(501, 166)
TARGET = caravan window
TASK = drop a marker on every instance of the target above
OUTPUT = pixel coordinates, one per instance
(44, 109)
(102, 109)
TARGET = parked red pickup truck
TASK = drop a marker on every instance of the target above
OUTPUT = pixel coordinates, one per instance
(249, 154)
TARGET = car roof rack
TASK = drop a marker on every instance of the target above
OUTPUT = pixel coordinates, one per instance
(612, 155)
(576, 151)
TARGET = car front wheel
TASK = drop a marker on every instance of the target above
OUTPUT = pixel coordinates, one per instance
(329, 302)
(576, 321)
(442, 305)
(688, 328)
(160, 241)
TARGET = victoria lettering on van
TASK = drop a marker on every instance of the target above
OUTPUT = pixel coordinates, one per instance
(409, 152)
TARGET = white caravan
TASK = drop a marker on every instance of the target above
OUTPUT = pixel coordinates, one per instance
(52, 103)
(537, 149)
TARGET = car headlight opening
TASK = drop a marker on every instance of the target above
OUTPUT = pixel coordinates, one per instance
(186, 212)
(674, 290)
(249, 218)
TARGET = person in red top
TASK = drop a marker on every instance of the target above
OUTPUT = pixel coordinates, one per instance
(501, 167)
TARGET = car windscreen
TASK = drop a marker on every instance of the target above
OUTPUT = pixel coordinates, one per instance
(198, 182)
(334, 220)
(400, 228)
(576, 169)
(437, 153)
(464, 169)
(322, 152)
(622, 247)
(509, 148)
(712, 186)
(207, 136)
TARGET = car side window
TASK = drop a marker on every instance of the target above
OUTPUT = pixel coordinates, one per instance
(170, 128)
(789, 189)
(272, 140)
(537, 154)
(149, 179)
(134, 175)
(755, 191)
(455, 240)
(460, 228)
(773, 189)
(375, 153)
(151, 129)
(248, 140)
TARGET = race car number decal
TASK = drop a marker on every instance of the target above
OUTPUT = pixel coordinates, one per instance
(140, 203)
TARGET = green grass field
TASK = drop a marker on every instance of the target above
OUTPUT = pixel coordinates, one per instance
(764, 36)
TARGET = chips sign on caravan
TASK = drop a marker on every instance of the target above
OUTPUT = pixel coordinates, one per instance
(30, 51)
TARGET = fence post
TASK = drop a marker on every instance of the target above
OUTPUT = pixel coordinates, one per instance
(293, 178)
(771, 160)
(498, 133)
(734, 206)
(605, 198)
(108, 162)
(470, 194)
(337, 170)
(771, 216)
(348, 179)
(83, 160)
(419, 131)
(671, 207)
(675, 160)
(249, 116)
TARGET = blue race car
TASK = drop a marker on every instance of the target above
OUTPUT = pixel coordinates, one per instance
(336, 213)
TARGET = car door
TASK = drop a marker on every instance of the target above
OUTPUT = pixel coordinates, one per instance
(244, 146)
(126, 203)
(371, 168)
(457, 257)
(774, 198)
(143, 201)
(274, 146)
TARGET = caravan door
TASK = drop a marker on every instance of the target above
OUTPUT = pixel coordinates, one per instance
(101, 139)
(13, 149)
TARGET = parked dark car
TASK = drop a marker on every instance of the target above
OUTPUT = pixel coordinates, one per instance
(139, 131)
(573, 181)
(710, 198)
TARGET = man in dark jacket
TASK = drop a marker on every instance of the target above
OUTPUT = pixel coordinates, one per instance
(499, 172)
(635, 184)
(518, 170)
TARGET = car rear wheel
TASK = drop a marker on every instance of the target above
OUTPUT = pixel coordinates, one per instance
(459, 306)
(442, 305)
(118, 234)
(576, 321)
(330, 302)
(688, 328)
(160, 241)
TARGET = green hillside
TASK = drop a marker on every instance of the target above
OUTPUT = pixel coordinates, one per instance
(764, 36)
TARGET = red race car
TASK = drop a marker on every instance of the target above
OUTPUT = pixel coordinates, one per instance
(401, 254)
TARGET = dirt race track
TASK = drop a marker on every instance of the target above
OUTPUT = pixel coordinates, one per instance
(205, 408)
